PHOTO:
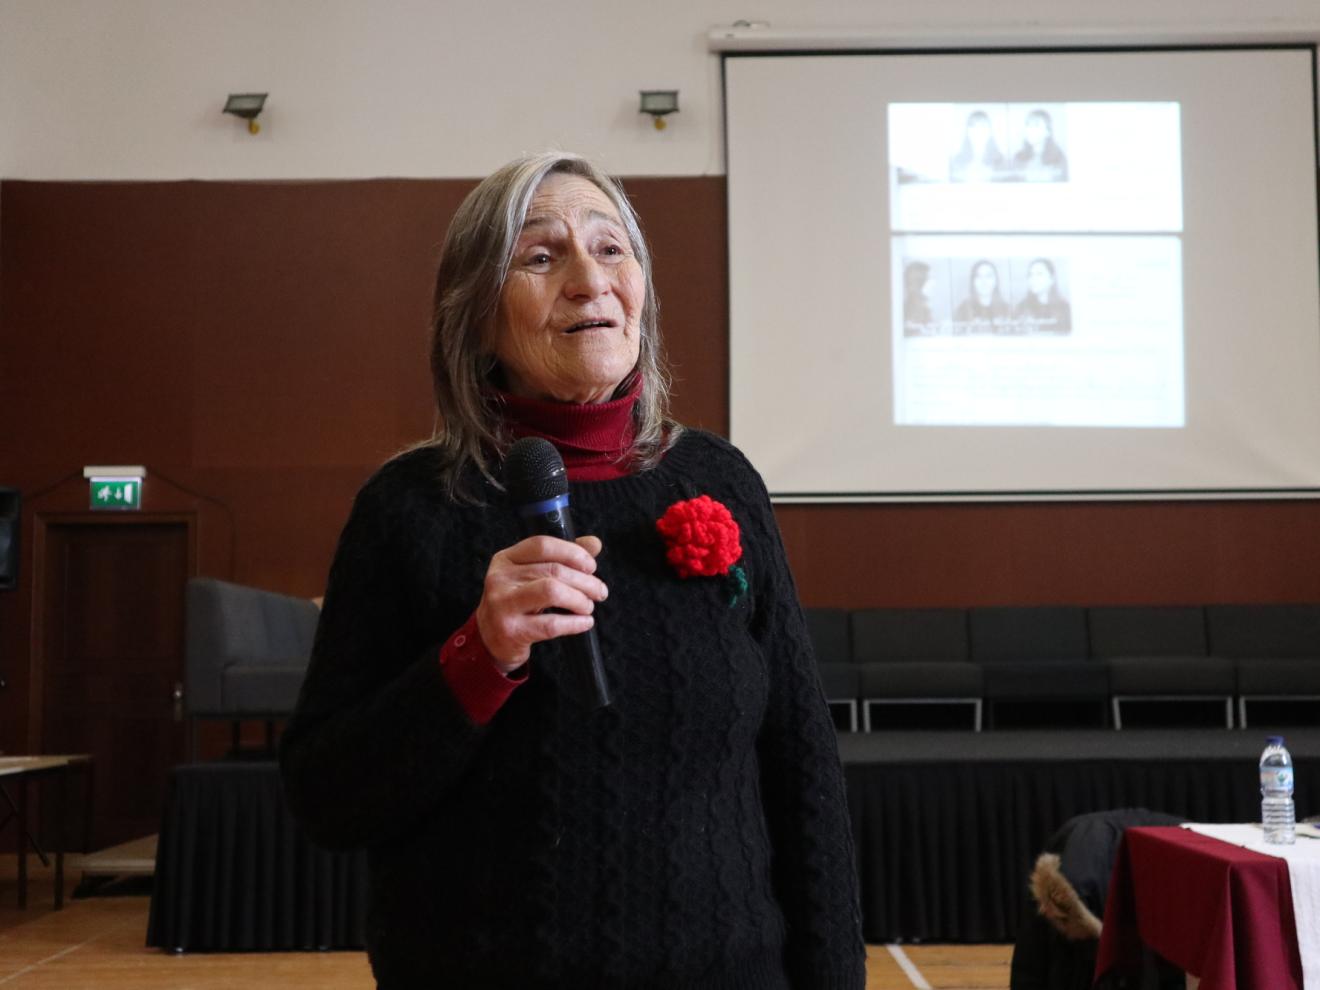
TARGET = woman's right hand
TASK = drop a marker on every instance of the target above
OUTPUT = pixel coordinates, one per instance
(528, 579)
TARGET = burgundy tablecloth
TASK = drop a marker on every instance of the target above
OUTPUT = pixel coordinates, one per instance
(1218, 911)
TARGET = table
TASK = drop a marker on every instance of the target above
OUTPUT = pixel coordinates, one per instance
(1216, 910)
(23, 769)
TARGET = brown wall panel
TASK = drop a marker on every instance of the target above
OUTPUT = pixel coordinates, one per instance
(1065, 553)
(287, 520)
(314, 327)
(264, 346)
(96, 341)
(684, 221)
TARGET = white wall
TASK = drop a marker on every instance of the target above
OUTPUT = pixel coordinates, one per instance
(132, 89)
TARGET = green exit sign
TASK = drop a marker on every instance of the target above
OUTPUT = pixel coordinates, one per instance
(116, 493)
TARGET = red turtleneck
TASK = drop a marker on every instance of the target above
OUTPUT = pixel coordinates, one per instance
(592, 439)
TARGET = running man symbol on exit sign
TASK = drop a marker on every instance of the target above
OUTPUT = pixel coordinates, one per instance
(116, 493)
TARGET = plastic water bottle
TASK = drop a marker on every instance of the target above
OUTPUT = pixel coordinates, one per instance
(1276, 793)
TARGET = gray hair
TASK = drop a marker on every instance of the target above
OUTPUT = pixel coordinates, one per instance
(474, 264)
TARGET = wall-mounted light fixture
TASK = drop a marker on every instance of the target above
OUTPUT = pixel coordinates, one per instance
(247, 106)
(658, 102)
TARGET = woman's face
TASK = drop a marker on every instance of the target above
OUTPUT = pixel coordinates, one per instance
(984, 283)
(1039, 280)
(568, 321)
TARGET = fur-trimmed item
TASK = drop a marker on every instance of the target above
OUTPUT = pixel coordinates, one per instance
(1060, 932)
(1059, 903)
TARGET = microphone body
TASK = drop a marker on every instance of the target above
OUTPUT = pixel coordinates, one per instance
(538, 485)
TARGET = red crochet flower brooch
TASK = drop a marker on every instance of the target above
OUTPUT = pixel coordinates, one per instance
(702, 540)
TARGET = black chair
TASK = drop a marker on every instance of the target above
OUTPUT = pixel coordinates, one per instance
(914, 656)
(246, 653)
(828, 628)
(1037, 655)
(1276, 649)
(1158, 653)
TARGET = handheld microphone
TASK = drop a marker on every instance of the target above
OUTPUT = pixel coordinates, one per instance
(537, 482)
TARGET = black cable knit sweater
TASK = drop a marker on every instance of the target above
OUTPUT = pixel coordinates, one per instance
(693, 835)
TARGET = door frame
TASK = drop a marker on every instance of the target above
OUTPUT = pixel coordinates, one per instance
(41, 521)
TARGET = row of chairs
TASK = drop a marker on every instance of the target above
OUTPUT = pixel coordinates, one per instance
(1111, 655)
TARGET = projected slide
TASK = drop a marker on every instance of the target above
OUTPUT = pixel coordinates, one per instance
(1035, 166)
(967, 275)
(1036, 264)
(1039, 331)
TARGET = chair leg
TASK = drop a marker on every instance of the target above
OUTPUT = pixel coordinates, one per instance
(1228, 713)
(976, 716)
(1118, 714)
(1242, 713)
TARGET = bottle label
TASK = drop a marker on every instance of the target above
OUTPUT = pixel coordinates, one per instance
(1276, 779)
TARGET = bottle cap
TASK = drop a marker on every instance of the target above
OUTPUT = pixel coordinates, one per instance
(1274, 740)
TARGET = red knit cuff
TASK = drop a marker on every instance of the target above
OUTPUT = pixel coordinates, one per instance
(471, 674)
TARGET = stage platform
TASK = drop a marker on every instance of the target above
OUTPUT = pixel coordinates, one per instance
(234, 872)
(947, 825)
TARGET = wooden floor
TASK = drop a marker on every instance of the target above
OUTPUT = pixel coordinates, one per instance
(98, 942)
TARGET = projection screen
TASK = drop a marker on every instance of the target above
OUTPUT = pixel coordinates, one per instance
(1025, 274)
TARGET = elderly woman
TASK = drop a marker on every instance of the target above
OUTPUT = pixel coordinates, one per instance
(693, 833)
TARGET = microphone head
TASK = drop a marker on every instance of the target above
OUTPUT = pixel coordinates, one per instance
(534, 471)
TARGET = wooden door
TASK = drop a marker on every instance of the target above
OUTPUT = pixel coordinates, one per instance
(111, 654)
